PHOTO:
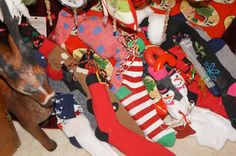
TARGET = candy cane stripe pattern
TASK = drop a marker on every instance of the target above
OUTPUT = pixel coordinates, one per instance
(140, 106)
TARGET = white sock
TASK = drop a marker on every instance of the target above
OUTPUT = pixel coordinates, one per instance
(212, 130)
(79, 127)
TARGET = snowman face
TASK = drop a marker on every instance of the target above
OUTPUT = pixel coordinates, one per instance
(168, 97)
(177, 80)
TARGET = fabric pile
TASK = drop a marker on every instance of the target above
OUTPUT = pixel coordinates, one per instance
(162, 65)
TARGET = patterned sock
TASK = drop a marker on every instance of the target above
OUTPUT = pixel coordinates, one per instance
(218, 74)
(226, 57)
(126, 141)
(176, 104)
(188, 49)
(134, 97)
(178, 81)
(222, 51)
(77, 127)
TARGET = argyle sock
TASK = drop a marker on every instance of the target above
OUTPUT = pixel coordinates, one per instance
(134, 97)
(126, 141)
(77, 127)
(176, 104)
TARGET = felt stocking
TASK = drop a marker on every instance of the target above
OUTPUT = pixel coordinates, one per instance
(134, 97)
(77, 128)
(125, 140)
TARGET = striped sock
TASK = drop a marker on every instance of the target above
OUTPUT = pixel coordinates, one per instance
(134, 97)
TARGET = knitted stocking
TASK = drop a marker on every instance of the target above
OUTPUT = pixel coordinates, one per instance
(77, 128)
(175, 102)
(134, 97)
(125, 140)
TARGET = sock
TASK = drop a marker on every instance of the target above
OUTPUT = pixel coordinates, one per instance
(229, 103)
(121, 114)
(77, 127)
(96, 36)
(71, 83)
(222, 51)
(218, 74)
(115, 106)
(226, 57)
(204, 98)
(176, 104)
(41, 60)
(135, 98)
(212, 130)
(188, 49)
(125, 140)
(178, 81)
(214, 23)
(205, 55)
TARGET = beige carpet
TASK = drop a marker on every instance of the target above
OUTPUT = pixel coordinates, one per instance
(185, 147)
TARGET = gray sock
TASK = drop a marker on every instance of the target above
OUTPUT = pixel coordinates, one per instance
(222, 51)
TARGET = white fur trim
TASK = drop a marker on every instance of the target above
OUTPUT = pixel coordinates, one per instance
(156, 28)
(143, 13)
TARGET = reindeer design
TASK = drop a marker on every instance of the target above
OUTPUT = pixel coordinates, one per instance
(24, 88)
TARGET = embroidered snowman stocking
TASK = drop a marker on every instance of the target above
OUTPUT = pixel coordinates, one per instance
(176, 103)
(178, 81)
